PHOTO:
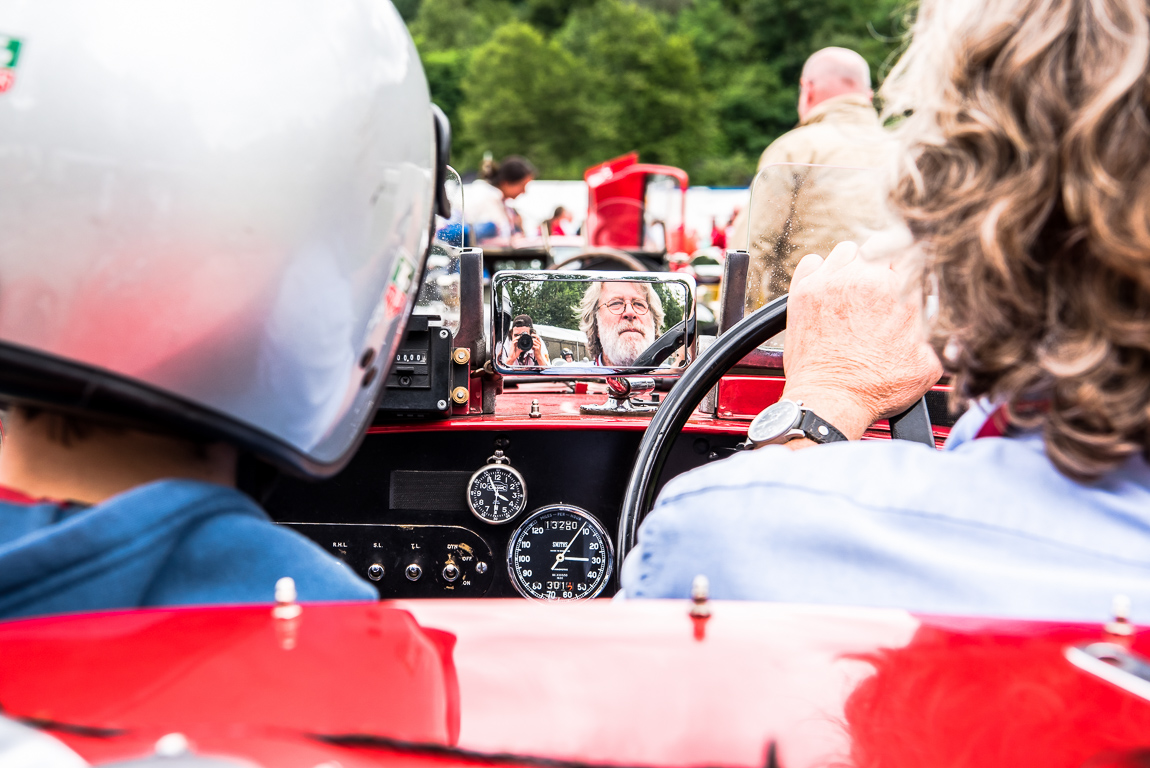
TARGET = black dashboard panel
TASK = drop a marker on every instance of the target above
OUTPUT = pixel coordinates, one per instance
(402, 501)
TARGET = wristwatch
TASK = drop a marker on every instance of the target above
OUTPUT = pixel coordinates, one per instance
(787, 420)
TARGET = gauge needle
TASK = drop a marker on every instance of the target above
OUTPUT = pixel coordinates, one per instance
(561, 556)
(498, 495)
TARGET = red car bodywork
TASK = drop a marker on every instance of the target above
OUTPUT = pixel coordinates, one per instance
(616, 203)
(504, 682)
(739, 399)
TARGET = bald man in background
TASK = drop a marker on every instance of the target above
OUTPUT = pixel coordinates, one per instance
(796, 211)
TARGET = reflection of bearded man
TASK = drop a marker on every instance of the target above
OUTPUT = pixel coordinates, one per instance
(620, 319)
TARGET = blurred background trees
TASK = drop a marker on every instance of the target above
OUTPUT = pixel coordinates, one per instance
(701, 84)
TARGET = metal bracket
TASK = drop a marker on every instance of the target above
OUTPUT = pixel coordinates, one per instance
(1114, 664)
(913, 424)
(734, 299)
(471, 335)
(734, 303)
(620, 390)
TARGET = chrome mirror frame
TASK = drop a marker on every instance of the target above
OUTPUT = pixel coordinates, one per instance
(590, 371)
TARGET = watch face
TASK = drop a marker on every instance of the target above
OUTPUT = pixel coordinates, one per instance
(496, 494)
(774, 422)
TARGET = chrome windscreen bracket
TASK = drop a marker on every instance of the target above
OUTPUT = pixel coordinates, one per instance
(1114, 664)
(620, 391)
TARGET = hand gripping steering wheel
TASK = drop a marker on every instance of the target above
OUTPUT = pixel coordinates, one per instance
(700, 377)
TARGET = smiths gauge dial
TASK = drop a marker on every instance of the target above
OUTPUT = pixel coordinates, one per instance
(496, 493)
(560, 553)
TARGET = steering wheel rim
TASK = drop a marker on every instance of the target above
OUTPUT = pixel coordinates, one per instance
(912, 424)
(622, 257)
(703, 374)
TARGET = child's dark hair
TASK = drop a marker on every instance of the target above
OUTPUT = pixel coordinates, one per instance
(510, 170)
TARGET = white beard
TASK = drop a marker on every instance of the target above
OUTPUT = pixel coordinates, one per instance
(622, 350)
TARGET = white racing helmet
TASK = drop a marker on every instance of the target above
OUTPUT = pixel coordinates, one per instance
(213, 214)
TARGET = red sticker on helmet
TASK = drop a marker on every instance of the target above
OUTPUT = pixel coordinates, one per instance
(394, 300)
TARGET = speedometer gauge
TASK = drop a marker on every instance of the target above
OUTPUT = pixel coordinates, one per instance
(560, 553)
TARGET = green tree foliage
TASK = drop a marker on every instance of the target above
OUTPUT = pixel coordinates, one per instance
(445, 70)
(549, 15)
(646, 82)
(526, 95)
(547, 303)
(748, 87)
(702, 84)
(794, 29)
(443, 25)
(408, 9)
(672, 298)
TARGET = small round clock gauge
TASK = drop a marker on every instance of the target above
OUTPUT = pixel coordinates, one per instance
(496, 494)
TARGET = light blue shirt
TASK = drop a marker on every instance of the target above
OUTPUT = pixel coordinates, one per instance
(986, 527)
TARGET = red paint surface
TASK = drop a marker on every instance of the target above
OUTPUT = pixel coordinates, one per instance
(740, 400)
(743, 397)
(614, 203)
(559, 410)
(616, 192)
(607, 681)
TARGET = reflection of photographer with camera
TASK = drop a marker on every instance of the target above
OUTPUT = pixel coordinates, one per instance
(526, 348)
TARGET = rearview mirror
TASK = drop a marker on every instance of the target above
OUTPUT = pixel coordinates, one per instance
(592, 324)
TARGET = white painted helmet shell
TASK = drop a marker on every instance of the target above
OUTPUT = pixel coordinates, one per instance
(213, 213)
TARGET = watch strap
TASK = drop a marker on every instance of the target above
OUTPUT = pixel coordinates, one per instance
(819, 430)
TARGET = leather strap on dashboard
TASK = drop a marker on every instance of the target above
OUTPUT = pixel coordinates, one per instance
(428, 491)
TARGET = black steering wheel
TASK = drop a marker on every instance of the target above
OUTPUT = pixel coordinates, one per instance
(664, 346)
(611, 254)
(700, 377)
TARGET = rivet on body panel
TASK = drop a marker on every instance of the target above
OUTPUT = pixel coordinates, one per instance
(700, 608)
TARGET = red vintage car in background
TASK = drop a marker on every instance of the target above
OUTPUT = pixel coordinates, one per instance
(635, 220)
(455, 667)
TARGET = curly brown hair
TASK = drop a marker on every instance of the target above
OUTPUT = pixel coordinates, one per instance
(1026, 179)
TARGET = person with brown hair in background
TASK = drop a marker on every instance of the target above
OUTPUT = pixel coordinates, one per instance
(554, 225)
(487, 201)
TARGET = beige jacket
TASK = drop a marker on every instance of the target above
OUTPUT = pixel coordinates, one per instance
(794, 211)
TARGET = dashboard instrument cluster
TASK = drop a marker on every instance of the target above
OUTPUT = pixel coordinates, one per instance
(446, 514)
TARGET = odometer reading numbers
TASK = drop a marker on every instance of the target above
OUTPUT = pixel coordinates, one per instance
(560, 553)
(497, 493)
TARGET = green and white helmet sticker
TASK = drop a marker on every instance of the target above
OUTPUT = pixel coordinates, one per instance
(9, 58)
(9, 52)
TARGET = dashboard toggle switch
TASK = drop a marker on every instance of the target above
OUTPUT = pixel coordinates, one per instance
(375, 572)
(450, 571)
(413, 572)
